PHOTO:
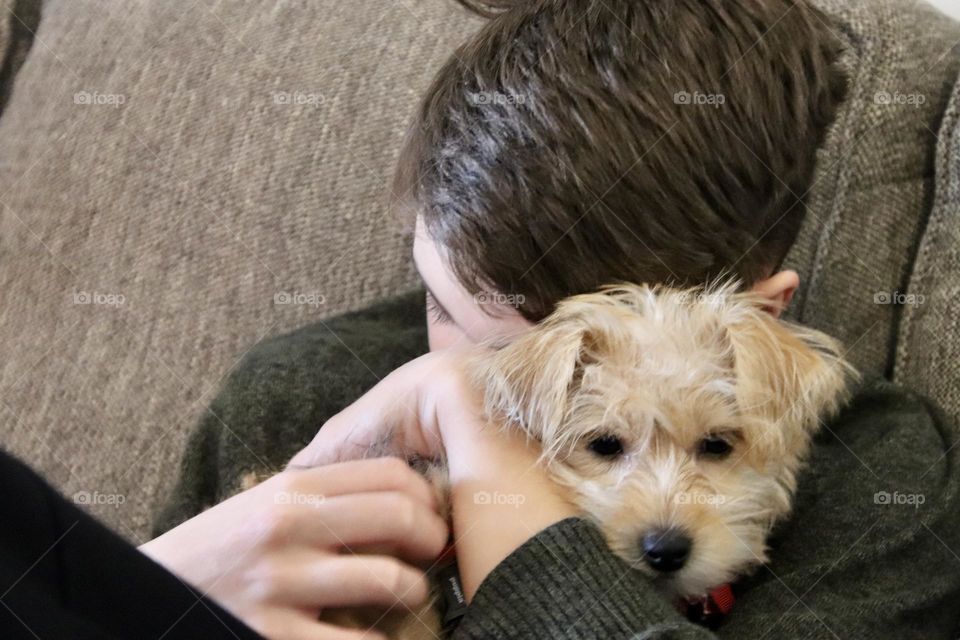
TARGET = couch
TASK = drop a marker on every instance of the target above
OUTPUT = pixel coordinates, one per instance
(179, 180)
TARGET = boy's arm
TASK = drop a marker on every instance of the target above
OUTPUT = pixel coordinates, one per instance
(565, 583)
(857, 560)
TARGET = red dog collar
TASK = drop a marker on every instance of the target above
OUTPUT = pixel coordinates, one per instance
(709, 610)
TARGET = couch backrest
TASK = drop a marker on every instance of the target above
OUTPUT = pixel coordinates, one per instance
(171, 171)
(870, 207)
(928, 342)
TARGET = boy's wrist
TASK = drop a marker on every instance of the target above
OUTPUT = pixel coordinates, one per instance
(501, 497)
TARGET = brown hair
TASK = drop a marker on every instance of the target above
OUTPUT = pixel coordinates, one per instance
(575, 143)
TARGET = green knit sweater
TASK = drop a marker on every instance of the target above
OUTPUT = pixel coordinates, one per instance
(872, 549)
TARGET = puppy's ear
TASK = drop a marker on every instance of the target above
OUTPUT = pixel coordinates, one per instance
(531, 382)
(790, 375)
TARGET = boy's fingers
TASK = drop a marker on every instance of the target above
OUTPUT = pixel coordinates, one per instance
(333, 581)
(305, 627)
(324, 631)
(358, 476)
(330, 445)
(389, 521)
(392, 412)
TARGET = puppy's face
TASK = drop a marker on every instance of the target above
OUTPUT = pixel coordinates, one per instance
(679, 419)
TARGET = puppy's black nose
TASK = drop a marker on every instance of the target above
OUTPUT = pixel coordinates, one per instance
(666, 550)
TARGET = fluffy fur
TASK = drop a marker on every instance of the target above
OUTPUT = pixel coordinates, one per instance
(662, 371)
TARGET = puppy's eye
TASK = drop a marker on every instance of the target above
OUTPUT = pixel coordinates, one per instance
(714, 447)
(606, 446)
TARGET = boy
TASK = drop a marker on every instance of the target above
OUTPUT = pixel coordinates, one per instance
(574, 143)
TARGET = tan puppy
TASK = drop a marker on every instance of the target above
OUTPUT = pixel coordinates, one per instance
(679, 420)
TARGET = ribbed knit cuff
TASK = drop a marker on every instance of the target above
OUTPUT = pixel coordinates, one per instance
(565, 583)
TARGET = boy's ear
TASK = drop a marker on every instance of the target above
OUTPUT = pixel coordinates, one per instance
(777, 290)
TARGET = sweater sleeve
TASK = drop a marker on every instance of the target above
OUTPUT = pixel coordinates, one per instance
(566, 583)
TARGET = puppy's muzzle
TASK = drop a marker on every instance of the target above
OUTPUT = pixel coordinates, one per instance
(666, 550)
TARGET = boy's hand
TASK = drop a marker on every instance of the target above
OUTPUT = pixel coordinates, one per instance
(274, 555)
(398, 415)
(501, 495)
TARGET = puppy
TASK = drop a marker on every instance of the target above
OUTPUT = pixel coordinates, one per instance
(677, 419)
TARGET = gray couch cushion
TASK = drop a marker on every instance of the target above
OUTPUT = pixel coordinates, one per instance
(197, 159)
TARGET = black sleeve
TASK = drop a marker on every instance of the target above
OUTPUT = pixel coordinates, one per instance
(64, 576)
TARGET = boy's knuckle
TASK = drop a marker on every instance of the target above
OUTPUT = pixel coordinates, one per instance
(277, 524)
(396, 473)
(404, 513)
(264, 582)
(392, 576)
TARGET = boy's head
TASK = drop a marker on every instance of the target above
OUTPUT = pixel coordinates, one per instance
(576, 143)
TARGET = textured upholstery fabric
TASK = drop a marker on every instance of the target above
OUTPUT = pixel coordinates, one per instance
(247, 157)
(928, 352)
(201, 160)
(870, 203)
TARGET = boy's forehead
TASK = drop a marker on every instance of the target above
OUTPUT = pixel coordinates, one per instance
(435, 273)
